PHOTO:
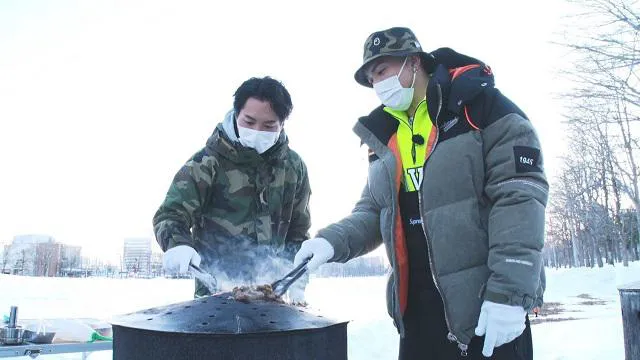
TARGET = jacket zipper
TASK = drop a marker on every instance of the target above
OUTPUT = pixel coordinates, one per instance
(413, 144)
(463, 347)
(409, 124)
(395, 268)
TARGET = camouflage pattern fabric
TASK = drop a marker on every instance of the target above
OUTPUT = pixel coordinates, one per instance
(396, 41)
(237, 208)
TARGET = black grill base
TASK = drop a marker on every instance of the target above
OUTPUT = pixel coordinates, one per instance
(328, 343)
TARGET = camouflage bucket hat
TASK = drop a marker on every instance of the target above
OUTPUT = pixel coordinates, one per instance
(396, 41)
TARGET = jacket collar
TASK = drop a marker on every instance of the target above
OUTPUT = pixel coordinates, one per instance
(457, 80)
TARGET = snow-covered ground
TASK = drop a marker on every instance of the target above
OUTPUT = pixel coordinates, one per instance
(582, 318)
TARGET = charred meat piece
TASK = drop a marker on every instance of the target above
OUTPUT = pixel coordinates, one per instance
(255, 293)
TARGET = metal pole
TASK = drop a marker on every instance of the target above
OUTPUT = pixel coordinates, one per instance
(13, 316)
(630, 304)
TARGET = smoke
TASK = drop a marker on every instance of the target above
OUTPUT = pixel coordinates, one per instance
(238, 262)
(264, 271)
(208, 280)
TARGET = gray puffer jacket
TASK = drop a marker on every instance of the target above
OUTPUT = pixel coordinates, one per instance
(482, 200)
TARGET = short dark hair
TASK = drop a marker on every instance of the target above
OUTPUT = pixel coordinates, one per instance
(264, 89)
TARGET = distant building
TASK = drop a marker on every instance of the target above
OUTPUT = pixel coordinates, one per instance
(39, 255)
(47, 259)
(21, 257)
(136, 257)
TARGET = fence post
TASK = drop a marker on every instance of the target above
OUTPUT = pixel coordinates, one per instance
(630, 304)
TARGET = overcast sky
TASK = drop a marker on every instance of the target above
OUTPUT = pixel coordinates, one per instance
(101, 102)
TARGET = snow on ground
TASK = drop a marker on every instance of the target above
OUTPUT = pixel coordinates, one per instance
(581, 319)
(591, 297)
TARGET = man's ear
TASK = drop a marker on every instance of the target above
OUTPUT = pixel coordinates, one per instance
(415, 62)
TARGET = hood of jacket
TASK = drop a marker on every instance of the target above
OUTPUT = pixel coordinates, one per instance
(224, 142)
(457, 81)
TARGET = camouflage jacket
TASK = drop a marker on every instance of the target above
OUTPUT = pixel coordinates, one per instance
(236, 207)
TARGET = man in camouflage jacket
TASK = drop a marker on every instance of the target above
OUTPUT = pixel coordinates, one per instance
(243, 199)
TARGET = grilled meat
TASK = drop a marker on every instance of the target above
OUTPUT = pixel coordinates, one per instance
(254, 293)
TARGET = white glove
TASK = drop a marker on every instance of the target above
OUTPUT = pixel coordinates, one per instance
(318, 249)
(179, 258)
(500, 324)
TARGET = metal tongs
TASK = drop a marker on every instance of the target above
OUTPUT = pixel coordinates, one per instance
(281, 286)
(209, 280)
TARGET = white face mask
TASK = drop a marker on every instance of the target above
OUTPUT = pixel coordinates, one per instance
(256, 139)
(392, 93)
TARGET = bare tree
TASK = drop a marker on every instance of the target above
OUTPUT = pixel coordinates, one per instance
(70, 261)
(5, 257)
(23, 262)
(603, 119)
(558, 248)
(605, 43)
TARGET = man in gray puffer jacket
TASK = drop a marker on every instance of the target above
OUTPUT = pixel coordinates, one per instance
(456, 192)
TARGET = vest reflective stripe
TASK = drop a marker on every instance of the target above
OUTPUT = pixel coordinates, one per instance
(413, 158)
